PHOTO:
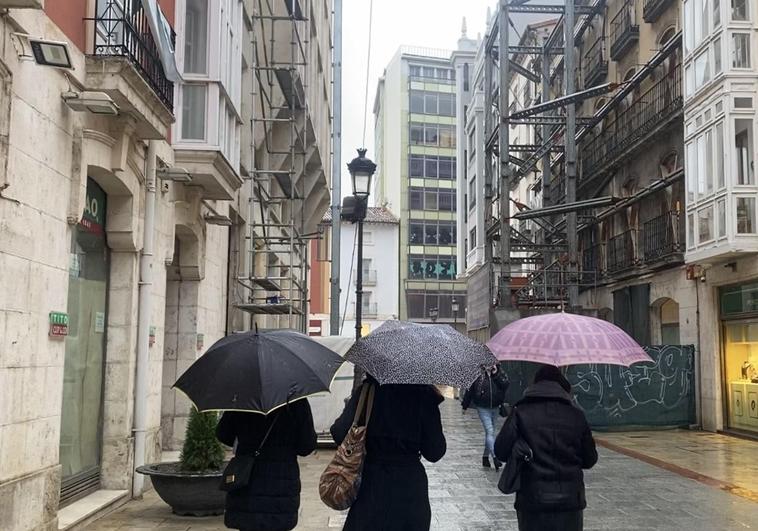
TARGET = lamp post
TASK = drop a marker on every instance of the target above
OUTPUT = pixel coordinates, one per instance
(433, 314)
(455, 312)
(361, 171)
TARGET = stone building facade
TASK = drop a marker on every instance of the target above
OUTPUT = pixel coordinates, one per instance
(75, 195)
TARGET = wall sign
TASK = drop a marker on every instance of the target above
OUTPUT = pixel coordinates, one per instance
(93, 218)
(58, 324)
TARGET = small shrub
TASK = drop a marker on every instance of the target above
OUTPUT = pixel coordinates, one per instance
(201, 451)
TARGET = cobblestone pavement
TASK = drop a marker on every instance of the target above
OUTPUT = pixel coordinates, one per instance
(623, 494)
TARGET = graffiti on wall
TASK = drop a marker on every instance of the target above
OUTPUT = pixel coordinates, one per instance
(660, 393)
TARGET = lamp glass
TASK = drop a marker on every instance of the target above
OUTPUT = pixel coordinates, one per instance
(361, 183)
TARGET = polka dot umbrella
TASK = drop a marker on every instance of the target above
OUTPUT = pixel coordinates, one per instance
(399, 352)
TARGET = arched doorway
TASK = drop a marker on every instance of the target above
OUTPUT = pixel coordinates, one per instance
(664, 321)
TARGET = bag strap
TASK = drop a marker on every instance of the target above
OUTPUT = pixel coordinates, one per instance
(361, 403)
(369, 404)
(265, 437)
(365, 404)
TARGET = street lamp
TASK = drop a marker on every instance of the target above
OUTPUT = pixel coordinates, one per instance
(433, 313)
(455, 312)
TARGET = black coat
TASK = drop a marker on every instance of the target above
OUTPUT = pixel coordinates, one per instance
(404, 426)
(562, 445)
(488, 391)
(271, 500)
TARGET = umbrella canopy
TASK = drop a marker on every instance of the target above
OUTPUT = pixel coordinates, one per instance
(566, 339)
(259, 372)
(407, 353)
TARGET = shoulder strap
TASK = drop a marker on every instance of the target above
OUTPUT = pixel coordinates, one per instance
(369, 404)
(361, 403)
(365, 404)
(265, 437)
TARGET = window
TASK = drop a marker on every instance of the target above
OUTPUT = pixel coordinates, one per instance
(417, 101)
(717, 57)
(431, 135)
(416, 163)
(743, 103)
(716, 13)
(430, 103)
(743, 146)
(689, 25)
(447, 201)
(472, 143)
(415, 71)
(472, 239)
(193, 112)
(746, 215)
(431, 232)
(702, 168)
(447, 136)
(699, 33)
(416, 199)
(465, 77)
(430, 201)
(417, 133)
(446, 168)
(719, 157)
(709, 162)
(704, 19)
(431, 267)
(741, 50)
(739, 9)
(689, 77)
(690, 231)
(447, 104)
(196, 37)
(472, 194)
(702, 70)
(432, 167)
(705, 224)
(366, 262)
(721, 213)
(416, 233)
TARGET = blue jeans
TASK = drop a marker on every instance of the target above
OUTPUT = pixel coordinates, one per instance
(488, 416)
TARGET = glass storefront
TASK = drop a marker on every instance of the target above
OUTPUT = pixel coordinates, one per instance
(81, 422)
(739, 305)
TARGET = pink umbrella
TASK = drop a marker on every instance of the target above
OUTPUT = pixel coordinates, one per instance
(566, 339)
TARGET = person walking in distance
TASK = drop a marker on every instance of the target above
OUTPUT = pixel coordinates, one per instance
(487, 394)
(550, 492)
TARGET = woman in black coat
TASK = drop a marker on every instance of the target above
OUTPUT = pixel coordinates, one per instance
(271, 500)
(405, 425)
(551, 494)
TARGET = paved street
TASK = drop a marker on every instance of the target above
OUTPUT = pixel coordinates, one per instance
(624, 493)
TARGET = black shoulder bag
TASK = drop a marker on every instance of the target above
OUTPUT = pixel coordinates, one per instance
(237, 473)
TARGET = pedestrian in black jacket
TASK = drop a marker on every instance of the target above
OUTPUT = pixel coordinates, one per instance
(551, 494)
(487, 394)
(405, 425)
(271, 500)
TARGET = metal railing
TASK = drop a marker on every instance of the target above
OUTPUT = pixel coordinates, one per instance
(122, 30)
(592, 259)
(653, 9)
(655, 107)
(595, 64)
(662, 237)
(369, 277)
(624, 27)
(621, 252)
(548, 286)
(369, 309)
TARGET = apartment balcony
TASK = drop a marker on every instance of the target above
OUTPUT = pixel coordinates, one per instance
(592, 259)
(124, 62)
(654, 9)
(622, 255)
(595, 64)
(369, 310)
(663, 239)
(369, 277)
(625, 30)
(647, 115)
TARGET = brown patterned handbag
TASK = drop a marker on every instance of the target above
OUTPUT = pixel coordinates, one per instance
(341, 480)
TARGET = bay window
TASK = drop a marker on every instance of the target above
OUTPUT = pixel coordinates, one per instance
(740, 10)
(740, 50)
(743, 151)
(194, 111)
(196, 37)
(746, 222)
(705, 224)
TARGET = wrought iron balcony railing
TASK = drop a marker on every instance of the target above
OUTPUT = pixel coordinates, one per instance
(625, 30)
(369, 309)
(122, 30)
(369, 277)
(595, 64)
(654, 9)
(662, 237)
(656, 107)
(592, 259)
(621, 252)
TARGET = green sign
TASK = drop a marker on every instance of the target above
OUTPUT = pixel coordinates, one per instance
(93, 218)
(58, 324)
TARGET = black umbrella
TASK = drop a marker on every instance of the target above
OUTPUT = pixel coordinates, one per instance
(408, 353)
(259, 372)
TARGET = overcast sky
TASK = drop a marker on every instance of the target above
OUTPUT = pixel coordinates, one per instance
(428, 23)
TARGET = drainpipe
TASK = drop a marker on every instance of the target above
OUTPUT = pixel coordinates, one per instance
(143, 326)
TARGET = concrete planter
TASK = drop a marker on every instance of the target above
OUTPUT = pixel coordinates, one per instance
(188, 493)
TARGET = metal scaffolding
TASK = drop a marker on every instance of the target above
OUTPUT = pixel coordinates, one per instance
(553, 251)
(277, 263)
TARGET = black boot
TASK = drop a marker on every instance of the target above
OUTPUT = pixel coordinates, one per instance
(485, 461)
(498, 463)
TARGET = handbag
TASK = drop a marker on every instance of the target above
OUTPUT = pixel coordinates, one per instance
(521, 455)
(341, 480)
(238, 471)
(503, 410)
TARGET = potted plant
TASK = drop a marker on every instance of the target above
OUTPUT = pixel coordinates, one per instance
(190, 486)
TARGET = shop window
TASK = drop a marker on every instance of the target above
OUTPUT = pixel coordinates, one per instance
(746, 215)
(744, 157)
(741, 50)
(705, 224)
(741, 373)
(740, 9)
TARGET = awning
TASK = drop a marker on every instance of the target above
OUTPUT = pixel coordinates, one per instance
(161, 30)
